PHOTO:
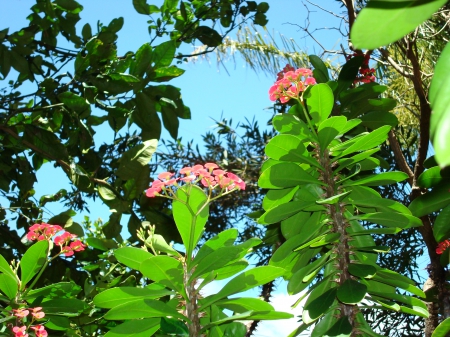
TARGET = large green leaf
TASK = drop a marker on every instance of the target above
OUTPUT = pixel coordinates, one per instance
(277, 197)
(111, 298)
(142, 308)
(292, 125)
(369, 141)
(282, 175)
(319, 306)
(163, 54)
(418, 307)
(440, 103)
(286, 147)
(398, 19)
(284, 211)
(146, 118)
(165, 270)
(135, 328)
(247, 280)
(64, 306)
(47, 142)
(190, 212)
(390, 219)
(351, 292)
(56, 290)
(329, 129)
(441, 227)
(376, 119)
(320, 102)
(431, 177)
(132, 257)
(431, 201)
(6, 268)
(341, 328)
(442, 329)
(224, 238)
(244, 304)
(32, 261)
(9, 286)
(362, 270)
(379, 179)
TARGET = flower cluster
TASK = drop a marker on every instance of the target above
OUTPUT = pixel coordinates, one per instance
(442, 246)
(209, 175)
(45, 231)
(366, 74)
(291, 83)
(36, 314)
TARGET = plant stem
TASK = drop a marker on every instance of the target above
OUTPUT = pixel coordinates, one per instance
(191, 304)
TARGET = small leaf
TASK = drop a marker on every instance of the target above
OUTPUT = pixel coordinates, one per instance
(351, 292)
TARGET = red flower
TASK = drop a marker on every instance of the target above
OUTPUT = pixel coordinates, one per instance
(290, 85)
(77, 246)
(442, 246)
(20, 331)
(40, 331)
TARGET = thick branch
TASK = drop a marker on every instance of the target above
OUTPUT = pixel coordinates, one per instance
(399, 157)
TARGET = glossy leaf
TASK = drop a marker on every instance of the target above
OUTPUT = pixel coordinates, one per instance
(320, 102)
(341, 328)
(6, 268)
(376, 119)
(135, 328)
(441, 227)
(9, 286)
(244, 304)
(369, 141)
(442, 329)
(284, 211)
(284, 175)
(56, 290)
(430, 178)
(329, 129)
(32, 261)
(133, 161)
(190, 213)
(399, 18)
(379, 179)
(292, 125)
(142, 308)
(131, 256)
(362, 270)
(111, 298)
(64, 306)
(440, 103)
(351, 292)
(390, 219)
(417, 305)
(274, 198)
(224, 238)
(320, 69)
(430, 202)
(319, 306)
(165, 270)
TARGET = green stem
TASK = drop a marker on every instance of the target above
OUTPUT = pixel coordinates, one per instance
(300, 101)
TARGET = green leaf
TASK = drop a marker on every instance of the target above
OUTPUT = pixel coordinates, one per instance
(362, 270)
(6, 268)
(57, 290)
(136, 328)
(440, 102)
(430, 178)
(225, 238)
(277, 197)
(292, 125)
(398, 282)
(9, 286)
(418, 307)
(320, 69)
(165, 270)
(342, 328)
(320, 102)
(369, 141)
(351, 292)
(379, 179)
(244, 304)
(348, 74)
(286, 147)
(132, 162)
(390, 219)
(442, 329)
(47, 142)
(399, 18)
(247, 280)
(208, 36)
(32, 261)
(163, 54)
(114, 297)
(284, 211)
(101, 244)
(375, 203)
(59, 323)
(441, 227)
(377, 119)
(282, 175)
(64, 306)
(190, 212)
(431, 201)
(132, 257)
(319, 306)
(142, 308)
(329, 129)
(174, 326)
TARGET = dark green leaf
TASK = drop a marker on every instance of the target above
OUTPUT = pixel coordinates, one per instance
(142, 308)
(431, 201)
(351, 292)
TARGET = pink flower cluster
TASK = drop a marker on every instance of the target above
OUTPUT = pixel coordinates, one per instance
(442, 246)
(291, 83)
(45, 231)
(36, 313)
(366, 74)
(209, 175)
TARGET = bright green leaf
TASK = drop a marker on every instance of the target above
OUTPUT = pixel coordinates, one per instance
(135, 328)
(32, 261)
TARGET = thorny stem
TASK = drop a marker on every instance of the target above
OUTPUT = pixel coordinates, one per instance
(191, 303)
(342, 249)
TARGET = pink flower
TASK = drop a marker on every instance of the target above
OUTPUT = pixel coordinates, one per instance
(310, 81)
(290, 85)
(188, 178)
(165, 175)
(218, 172)
(238, 181)
(211, 166)
(152, 192)
(64, 238)
(37, 313)
(67, 251)
(42, 231)
(186, 170)
(20, 331)
(77, 246)
(40, 331)
(21, 313)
